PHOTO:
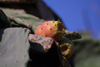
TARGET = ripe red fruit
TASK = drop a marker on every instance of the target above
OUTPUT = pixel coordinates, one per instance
(53, 29)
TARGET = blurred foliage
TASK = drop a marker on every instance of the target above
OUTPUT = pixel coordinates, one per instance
(87, 51)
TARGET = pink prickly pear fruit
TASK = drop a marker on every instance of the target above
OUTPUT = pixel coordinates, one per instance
(53, 29)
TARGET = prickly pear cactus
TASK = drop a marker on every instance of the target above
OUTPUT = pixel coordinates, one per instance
(21, 42)
(14, 47)
(14, 19)
(53, 29)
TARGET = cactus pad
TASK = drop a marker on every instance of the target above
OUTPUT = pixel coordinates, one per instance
(14, 47)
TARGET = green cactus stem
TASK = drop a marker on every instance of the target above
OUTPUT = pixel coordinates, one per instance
(20, 20)
(72, 35)
(28, 24)
(14, 47)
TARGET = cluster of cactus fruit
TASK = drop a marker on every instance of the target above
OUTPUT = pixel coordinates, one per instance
(53, 29)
